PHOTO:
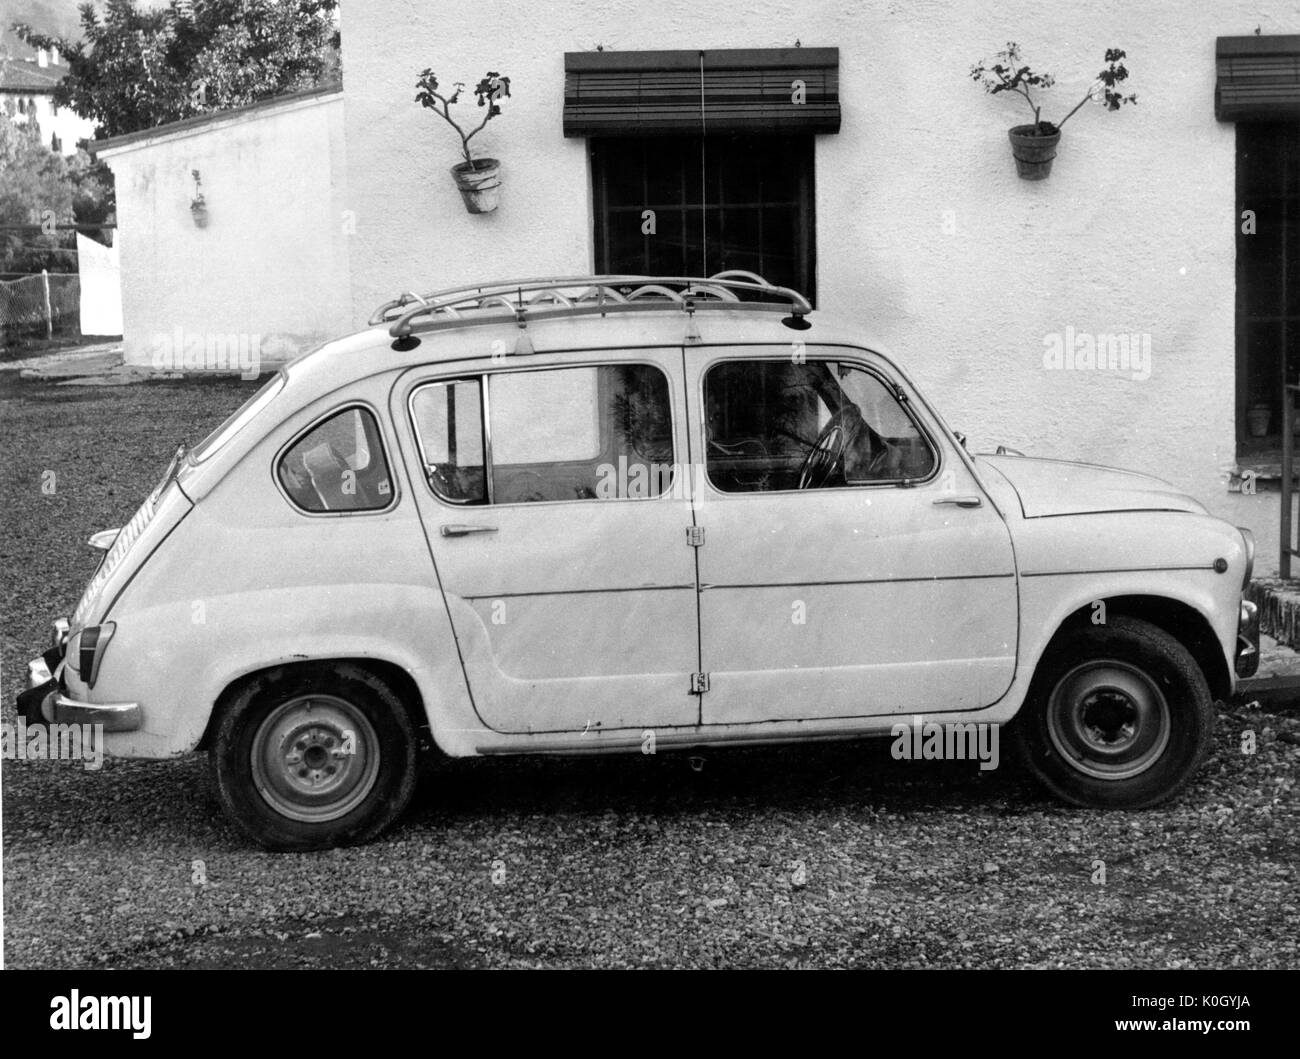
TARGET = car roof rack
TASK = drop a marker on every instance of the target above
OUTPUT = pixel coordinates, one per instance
(560, 296)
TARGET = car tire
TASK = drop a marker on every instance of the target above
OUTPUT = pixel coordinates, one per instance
(311, 757)
(1118, 716)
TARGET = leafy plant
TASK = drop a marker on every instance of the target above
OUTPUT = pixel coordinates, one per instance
(1008, 72)
(140, 65)
(489, 91)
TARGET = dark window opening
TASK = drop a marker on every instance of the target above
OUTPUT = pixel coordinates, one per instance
(1268, 283)
(717, 203)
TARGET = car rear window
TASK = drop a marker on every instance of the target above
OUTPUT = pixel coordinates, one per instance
(338, 465)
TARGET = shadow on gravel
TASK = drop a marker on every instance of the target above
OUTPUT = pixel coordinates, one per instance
(679, 783)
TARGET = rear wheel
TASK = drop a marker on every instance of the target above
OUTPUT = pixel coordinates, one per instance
(1118, 716)
(312, 757)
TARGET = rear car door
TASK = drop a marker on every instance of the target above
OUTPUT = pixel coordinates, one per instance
(558, 534)
(851, 565)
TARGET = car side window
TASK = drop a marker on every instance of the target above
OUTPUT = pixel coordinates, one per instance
(779, 425)
(589, 433)
(338, 465)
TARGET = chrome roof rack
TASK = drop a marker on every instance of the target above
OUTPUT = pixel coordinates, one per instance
(556, 296)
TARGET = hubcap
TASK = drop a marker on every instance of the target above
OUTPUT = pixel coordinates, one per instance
(315, 758)
(1108, 719)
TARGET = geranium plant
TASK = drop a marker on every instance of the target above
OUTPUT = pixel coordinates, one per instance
(489, 91)
(1008, 72)
(477, 178)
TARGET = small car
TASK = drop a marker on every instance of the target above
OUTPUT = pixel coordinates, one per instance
(618, 514)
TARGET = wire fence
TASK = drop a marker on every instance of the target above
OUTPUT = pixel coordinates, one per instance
(40, 306)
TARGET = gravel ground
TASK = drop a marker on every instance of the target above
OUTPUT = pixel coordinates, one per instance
(821, 856)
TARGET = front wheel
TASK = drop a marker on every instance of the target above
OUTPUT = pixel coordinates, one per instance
(309, 758)
(1119, 716)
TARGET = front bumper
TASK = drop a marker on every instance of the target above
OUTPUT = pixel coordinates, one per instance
(45, 703)
(1246, 659)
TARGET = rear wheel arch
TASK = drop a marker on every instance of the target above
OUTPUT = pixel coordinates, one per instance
(398, 679)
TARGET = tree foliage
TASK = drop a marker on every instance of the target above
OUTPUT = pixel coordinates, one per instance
(39, 189)
(135, 68)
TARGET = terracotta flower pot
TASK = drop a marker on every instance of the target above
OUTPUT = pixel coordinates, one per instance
(479, 183)
(1033, 153)
(200, 214)
(1257, 420)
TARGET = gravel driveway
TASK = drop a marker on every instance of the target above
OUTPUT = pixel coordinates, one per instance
(824, 856)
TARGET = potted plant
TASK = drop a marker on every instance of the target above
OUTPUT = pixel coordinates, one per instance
(1034, 145)
(198, 204)
(479, 179)
(1258, 417)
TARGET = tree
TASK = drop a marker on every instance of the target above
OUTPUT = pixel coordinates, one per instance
(34, 190)
(136, 68)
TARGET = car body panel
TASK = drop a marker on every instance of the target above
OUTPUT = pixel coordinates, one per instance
(912, 606)
(853, 601)
(574, 615)
(1048, 488)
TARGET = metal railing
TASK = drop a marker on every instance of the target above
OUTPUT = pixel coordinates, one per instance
(39, 305)
(547, 297)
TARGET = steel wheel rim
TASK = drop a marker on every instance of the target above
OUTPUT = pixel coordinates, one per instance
(1108, 719)
(315, 758)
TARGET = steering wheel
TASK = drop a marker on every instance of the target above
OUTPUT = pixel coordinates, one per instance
(828, 450)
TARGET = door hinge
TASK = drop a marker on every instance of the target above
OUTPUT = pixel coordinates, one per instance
(699, 683)
(695, 536)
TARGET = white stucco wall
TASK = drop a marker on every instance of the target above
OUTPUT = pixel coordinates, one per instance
(1133, 231)
(269, 269)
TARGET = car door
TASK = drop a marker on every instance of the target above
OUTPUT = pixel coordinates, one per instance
(850, 565)
(558, 533)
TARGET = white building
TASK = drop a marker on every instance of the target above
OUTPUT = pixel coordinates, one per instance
(260, 272)
(842, 148)
(27, 92)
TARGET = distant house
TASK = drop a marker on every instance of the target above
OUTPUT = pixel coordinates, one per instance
(27, 92)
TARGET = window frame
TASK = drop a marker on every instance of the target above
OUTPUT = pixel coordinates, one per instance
(1245, 308)
(485, 412)
(384, 447)
(804, 250)
(855, 360)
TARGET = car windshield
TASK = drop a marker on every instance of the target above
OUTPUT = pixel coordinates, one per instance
(241, 417)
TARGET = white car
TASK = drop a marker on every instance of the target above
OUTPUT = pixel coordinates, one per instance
(618, 514)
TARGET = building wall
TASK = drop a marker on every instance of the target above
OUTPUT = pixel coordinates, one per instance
(924, 233)
(65, 124)
(270, 268)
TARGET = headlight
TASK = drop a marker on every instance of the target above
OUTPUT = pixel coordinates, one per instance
(1249, 538)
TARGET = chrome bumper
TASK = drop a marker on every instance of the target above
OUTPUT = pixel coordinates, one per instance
(1246, 661)
(57, 708)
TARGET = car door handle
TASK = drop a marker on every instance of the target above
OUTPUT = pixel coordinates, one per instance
(455, 530)
(960, 501)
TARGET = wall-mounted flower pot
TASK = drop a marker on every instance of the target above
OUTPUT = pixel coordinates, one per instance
(1033, 152)
(479, 183)
(199, 211)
